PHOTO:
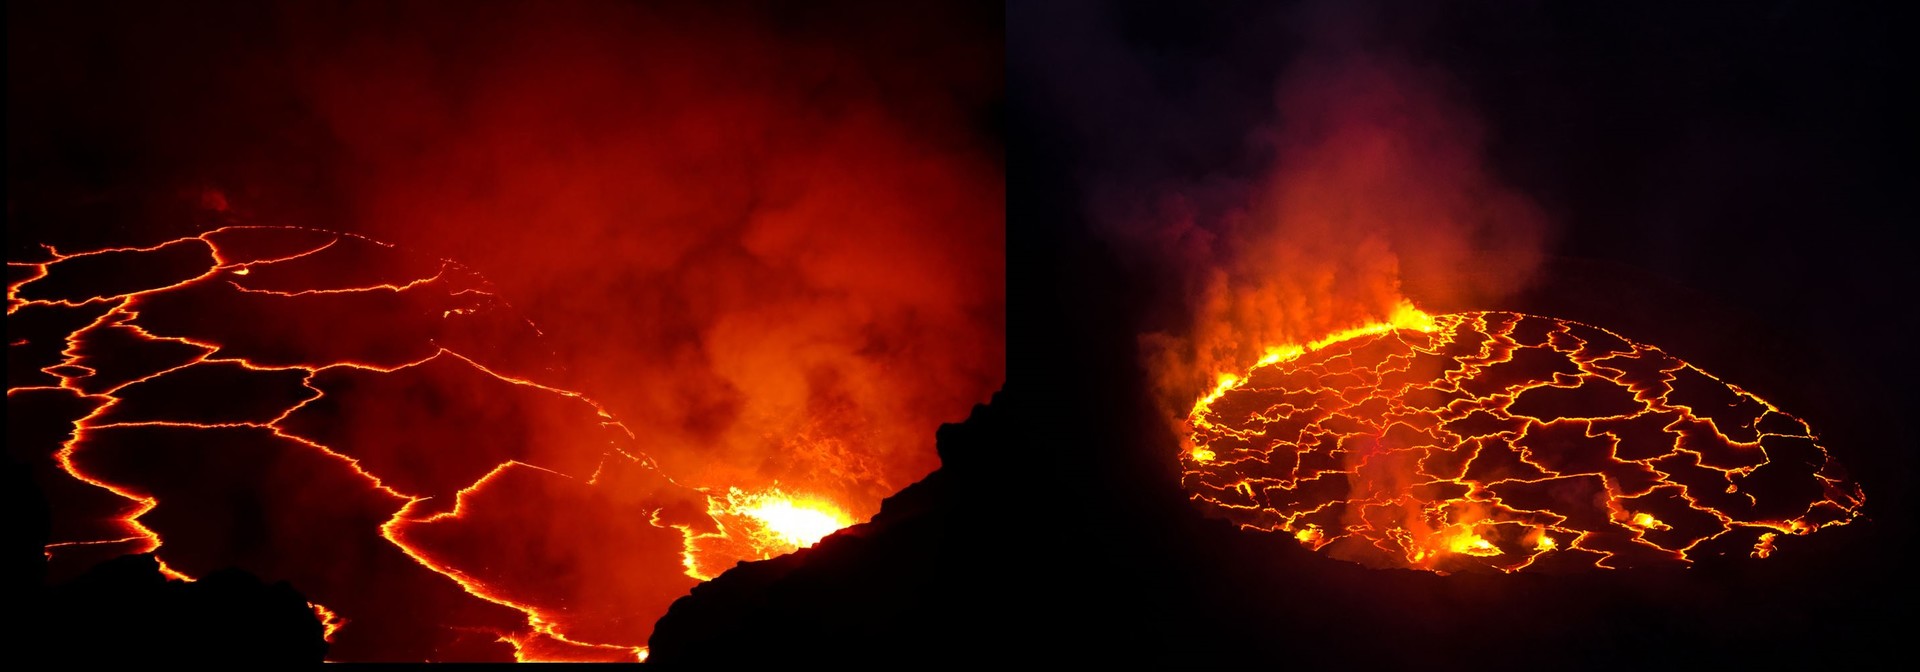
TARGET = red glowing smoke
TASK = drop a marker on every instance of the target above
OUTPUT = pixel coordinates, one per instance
(779, 254)
(1282, 177)
(768, 242)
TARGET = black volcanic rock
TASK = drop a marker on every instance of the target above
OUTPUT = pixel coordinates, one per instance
(28, 518)
(968, 567)
(1056, 530)
(126, 611)
(907, 586)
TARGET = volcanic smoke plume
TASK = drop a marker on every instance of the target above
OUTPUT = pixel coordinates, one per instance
(764, 252)
(1317, 400)
(1354, 174)
(1377, 183)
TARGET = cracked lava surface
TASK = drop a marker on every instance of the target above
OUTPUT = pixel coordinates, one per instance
(320, 408)
(1506, 441)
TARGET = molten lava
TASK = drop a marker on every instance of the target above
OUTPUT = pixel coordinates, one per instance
(1506, 441)
(759, 525)
(796, 523)
(314, 407)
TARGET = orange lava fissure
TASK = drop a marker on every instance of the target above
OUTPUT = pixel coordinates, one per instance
(1503, 441)
(205, 379)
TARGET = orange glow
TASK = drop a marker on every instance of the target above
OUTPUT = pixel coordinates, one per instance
(468, 324)
(1404, 316)
(756, 525)
(332, 622)
(1468, 543)
(1647, 521)
(1545, 543)
(569, 486)
(1489, 439)
(792, 521)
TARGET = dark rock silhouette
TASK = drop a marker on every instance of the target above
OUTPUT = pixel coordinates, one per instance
(25, 567)
(1057, 534)
(1056, 530)
(904, 585)
(126, 611)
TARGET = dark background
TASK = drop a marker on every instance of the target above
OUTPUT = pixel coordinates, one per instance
(1727, 182)
(1730, 182)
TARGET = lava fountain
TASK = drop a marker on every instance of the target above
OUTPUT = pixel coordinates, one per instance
(1495, 440)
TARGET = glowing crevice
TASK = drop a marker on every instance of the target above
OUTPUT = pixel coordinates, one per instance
(1364, 444)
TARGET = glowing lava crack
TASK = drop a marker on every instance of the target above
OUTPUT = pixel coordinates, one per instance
(317, 408)
(1506, 441)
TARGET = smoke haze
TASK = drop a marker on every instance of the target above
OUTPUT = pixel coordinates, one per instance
(1287, 176)
(773, 241)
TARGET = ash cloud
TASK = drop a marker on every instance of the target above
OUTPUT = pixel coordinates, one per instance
(1283, 174)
